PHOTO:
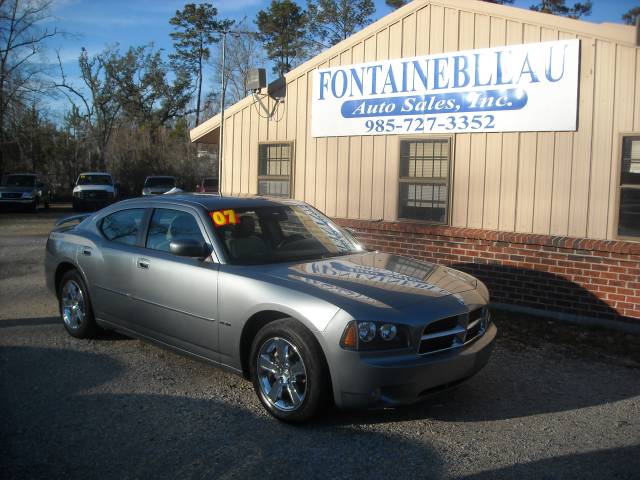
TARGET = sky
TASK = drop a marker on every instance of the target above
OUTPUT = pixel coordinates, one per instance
(95, 24)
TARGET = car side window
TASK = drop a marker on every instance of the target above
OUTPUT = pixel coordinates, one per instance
(123, 226)
(168, 225)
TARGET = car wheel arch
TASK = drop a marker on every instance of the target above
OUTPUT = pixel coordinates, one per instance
(253, 325)
(61, 269)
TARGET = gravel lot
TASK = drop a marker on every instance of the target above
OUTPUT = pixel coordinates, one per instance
(118, 408)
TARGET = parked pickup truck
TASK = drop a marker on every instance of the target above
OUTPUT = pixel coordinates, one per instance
(93, 190)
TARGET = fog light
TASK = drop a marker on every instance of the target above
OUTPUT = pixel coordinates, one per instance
(366, 331)
(388, 331)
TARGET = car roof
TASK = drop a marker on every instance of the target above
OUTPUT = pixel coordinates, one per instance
(94, 173)
(160, 176)
(212, 202)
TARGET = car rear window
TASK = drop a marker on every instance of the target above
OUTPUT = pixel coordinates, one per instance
(123, 226)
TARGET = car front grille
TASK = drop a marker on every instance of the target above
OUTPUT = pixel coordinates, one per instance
(453, 332)
(95, 194)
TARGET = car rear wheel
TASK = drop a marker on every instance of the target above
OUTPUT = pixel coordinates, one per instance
(288, 371)
(75, 306)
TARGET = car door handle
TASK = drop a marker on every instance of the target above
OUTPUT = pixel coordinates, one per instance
(86, 251)
(143, 264)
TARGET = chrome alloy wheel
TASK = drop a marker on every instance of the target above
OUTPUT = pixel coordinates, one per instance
(282, 375)
(73, 312)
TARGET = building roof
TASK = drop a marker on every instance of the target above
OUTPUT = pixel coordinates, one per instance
(208, 131)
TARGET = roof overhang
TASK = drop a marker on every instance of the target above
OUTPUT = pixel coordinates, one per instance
(206, 132)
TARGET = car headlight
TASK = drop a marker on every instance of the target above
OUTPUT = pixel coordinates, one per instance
(368, 335)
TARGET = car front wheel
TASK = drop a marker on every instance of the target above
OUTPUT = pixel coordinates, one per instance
(75, 306)
(289, 372)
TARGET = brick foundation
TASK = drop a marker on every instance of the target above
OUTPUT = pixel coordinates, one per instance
(589, 278)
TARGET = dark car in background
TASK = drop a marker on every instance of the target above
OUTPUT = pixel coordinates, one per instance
(93, 190)
(208, 185)
(24, 190)
(157, 185)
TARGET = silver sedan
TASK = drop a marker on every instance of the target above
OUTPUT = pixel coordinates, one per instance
(274, 291)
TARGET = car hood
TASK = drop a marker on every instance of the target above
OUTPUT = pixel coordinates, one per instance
(83, 188)
(376, 279)
(11, 189)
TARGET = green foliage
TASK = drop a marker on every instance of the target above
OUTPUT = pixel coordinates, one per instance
(331, 21)
(143, 89)
(631, 16)
(396, 3)
(559, 7)
(196, 28)
(283, 29)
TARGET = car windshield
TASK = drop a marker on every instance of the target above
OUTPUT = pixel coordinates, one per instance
(85, 179)
(285, 233)
(160, 182)
(19, 181)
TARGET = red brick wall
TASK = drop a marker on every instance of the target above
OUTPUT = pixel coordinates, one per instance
(592, 278)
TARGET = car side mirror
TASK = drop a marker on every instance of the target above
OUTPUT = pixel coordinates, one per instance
(187, 247)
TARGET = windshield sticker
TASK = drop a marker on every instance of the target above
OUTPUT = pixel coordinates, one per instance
(222, 218)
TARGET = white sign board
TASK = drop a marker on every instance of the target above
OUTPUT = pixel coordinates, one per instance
(532, 87)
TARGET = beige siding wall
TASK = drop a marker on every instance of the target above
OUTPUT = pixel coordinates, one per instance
(562, 183)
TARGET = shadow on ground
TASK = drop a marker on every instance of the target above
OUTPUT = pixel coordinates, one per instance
(55, 426)
(599, 465)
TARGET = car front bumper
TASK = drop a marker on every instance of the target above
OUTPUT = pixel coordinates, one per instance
(18, 201)
(361, 381)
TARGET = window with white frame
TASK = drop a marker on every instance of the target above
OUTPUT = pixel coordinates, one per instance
(629, 213)
(274, 169)
(424, 180)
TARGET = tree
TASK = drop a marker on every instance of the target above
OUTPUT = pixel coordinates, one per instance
(402, 3)
(396, 3)
(559, 7)
(96, 100)
(196, 27)
(331, 21)
(243, 53)
(631, 16)
(283, 30)
(144, 90)
(21, 41)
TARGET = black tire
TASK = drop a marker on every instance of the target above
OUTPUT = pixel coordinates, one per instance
(317, 392)
(87, 328)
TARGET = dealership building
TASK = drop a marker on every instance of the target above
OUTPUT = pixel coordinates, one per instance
(497, 140)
